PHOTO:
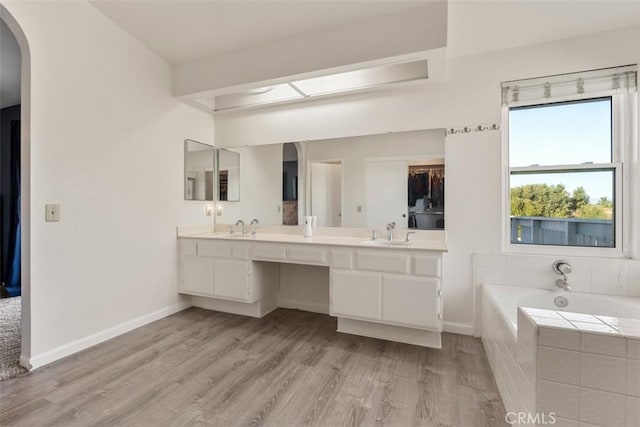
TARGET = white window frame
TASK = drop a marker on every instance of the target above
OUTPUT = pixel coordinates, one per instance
(624, 129)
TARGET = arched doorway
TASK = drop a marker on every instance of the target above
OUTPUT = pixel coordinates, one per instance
(24, 180)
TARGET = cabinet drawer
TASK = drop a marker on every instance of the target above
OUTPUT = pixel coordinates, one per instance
(383, 261)
(307, 255)
(214, 249)
(355, 294)
(411, 301)
(268, 252)
(427, 266)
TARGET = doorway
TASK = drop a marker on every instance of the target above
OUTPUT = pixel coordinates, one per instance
(14, 42)
(326, 192)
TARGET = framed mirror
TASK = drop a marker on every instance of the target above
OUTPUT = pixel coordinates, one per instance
(198, 171)
(228, 169)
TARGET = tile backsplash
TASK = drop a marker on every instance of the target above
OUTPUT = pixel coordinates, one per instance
(619, 277)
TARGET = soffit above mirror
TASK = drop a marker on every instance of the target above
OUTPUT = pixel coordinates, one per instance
(329, 84)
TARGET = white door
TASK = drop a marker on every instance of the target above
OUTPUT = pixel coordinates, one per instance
(232, 279)
(387, 187)
(355, 294)
(326, 193)
(410, 301)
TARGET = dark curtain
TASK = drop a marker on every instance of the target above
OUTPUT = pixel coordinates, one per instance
(12, 278)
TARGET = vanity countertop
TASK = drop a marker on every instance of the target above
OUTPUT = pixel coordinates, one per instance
(418, 244)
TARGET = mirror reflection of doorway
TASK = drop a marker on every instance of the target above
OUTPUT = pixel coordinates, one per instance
(326, 192)
(289, 184)
(386, 183)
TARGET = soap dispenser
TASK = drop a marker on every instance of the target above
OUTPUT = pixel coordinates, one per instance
(307, 230)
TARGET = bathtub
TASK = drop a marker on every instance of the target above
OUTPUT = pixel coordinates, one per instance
(507, 299)
(512, 351)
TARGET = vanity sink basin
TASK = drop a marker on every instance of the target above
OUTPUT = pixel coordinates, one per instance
(386, 243)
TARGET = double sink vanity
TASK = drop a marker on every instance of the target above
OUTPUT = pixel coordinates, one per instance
(377, 288)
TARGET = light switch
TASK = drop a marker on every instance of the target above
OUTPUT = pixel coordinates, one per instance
(278, 209)
(208, 210)
(52, 213)
(359, 209)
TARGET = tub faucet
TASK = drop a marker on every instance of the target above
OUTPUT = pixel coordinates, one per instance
(563, 268)
(254, 226)
(390, 228)
(244, 227)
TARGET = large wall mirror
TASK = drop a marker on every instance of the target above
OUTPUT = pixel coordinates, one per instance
(228, 163)
(198, 171)
(364, 181)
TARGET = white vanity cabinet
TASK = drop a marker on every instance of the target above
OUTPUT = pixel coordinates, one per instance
(389, 293)
(216, 269)
(385, 288)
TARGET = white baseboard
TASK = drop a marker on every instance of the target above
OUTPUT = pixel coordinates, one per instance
(24, 362)
(314, 308)
(458, 328)
(86, 342)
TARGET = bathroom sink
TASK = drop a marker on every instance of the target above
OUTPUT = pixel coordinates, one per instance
(395, 243)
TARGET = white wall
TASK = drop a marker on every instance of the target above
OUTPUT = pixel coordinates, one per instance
(107, 145)
(258, 165)
(470, 95)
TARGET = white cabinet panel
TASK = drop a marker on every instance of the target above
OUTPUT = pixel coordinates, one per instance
(426, 266)
(410, 301)
(268, 252)
(188, 247)
(240, 251)
(232, 279)
(383, 261)
(342, 259)
(307, 255)
(214, 249)
(197, 275)
(355, 294)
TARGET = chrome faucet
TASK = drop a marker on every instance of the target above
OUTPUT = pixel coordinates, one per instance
(254, 226)
(408, 238)
(390, 228)
(563, 268)
(244, 227)
(374, 235)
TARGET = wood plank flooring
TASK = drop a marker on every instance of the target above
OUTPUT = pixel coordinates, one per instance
(205, 368)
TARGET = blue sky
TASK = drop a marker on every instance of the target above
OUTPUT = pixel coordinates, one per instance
(559, 134)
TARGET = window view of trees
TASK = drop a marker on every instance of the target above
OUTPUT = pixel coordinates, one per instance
(544, 200)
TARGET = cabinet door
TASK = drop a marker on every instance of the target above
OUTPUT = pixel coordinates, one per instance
(355, 294)
(411, 301)
(197, 275)
(232, 279)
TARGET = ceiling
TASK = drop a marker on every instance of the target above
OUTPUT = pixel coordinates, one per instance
(182, 31)
(9, 67)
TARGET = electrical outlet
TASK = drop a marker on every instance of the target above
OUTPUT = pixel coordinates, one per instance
(52, 213)
(278, 209)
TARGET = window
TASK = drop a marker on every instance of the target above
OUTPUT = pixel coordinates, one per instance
(566, 155)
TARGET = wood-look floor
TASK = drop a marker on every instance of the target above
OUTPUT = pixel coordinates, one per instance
(291, 368)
